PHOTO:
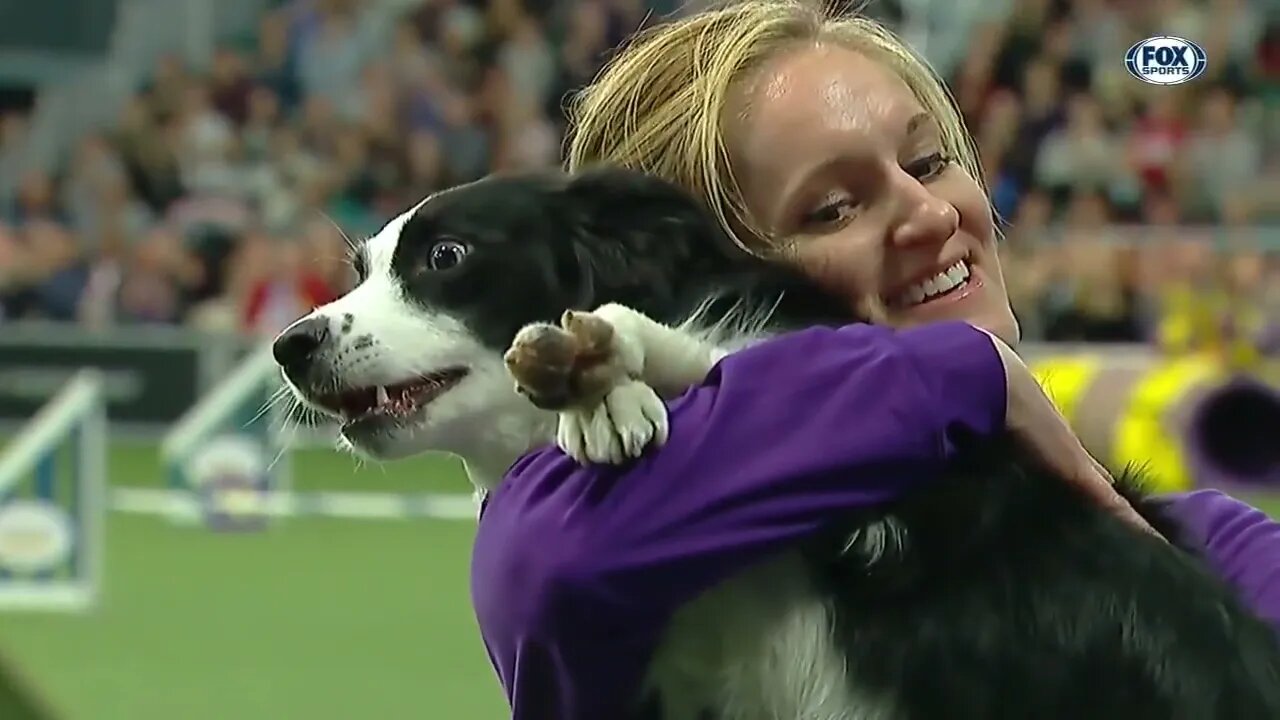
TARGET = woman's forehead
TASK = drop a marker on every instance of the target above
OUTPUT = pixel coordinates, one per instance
(811, 106)
(807, 96)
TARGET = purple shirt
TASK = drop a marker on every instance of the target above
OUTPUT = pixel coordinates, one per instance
(1241, 544)
(576, 570)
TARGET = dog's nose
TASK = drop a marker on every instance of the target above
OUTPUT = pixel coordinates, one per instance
(295, 348)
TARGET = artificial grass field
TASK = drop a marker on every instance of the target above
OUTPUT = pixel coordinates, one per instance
(314, 619)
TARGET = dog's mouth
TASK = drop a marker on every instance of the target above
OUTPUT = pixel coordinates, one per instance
(390, 402)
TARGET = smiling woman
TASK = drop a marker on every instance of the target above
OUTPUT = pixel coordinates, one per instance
(875, 196)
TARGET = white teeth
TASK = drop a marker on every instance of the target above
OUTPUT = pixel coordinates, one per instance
(381, 396)
(943, 282)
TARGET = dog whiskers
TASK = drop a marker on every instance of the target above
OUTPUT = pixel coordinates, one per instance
(281, 393)
(291, 417)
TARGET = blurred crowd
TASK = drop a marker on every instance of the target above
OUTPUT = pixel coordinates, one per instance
(221, 196)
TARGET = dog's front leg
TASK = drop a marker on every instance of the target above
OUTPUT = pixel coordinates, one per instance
(603, 372)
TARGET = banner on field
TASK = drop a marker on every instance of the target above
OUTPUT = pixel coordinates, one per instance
(69, 27)
(145, 384)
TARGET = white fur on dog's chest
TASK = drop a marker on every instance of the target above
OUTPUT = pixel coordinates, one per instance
(759, 646)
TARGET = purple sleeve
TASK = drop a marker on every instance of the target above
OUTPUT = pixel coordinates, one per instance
(576, 569)
(1240, 542)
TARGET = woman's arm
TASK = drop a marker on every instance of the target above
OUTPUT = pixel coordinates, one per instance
(577, 569)
(1240, 542)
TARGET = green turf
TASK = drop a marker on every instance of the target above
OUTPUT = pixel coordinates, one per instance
(138, 465)
(314, 619)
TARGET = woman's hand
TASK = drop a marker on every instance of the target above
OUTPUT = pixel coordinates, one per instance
(1037, 424)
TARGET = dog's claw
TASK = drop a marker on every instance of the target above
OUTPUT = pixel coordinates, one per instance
(581, 370)
(542, 360)
(570, 366)
(631, 417)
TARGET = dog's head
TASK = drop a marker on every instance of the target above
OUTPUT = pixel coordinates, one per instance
(411, 358)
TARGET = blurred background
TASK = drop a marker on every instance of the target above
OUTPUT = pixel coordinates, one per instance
(177, 176)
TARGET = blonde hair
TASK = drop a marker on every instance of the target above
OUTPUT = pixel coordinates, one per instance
(660, 105)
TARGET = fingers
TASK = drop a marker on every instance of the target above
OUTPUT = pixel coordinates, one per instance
(1035, 421)
(1100, 486)
(1092, 477)
(1122, 507)
(1046, 433)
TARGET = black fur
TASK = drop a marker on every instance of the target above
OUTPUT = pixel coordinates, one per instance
(1015, 597)
(541, 244)
(1012, 597)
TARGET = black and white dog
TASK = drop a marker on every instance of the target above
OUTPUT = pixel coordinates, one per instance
(997, 592)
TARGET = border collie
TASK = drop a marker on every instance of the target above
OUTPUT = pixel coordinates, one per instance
(997, 592)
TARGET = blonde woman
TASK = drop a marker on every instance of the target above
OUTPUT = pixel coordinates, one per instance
(821, 141)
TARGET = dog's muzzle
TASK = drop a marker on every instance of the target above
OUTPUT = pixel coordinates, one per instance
(298, 347)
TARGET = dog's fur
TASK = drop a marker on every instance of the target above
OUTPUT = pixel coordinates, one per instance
(997, 592)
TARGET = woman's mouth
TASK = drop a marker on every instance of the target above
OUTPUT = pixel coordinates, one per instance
(947, 283)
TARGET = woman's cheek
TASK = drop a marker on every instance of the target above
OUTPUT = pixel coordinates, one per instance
(840, 271)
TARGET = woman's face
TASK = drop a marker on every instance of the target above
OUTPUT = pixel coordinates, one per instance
(835, 153)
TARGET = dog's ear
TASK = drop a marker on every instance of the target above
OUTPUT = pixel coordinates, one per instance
(647, 243)
(634, 236)
(651, 216)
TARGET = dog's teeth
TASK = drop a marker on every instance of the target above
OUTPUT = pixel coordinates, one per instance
(382, 397)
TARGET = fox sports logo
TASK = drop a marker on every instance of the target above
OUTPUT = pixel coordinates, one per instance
(1165, 60)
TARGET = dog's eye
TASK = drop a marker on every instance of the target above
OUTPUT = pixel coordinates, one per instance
(446, 254)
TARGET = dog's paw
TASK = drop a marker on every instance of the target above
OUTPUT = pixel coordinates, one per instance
(630, 417)
(574, 366)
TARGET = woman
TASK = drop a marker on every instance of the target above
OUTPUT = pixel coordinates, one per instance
(824, 142)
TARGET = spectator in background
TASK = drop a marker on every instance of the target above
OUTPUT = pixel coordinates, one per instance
(157, 277)
(263, 117)
(230, 86)
(274, 65)
(331, 57)
(356, 110)
(283, 286)
(57, 271)
(148, 148)
(1222, 160)
(996, 137)
(526, 57)
(13, 269)
(169, 83)
(1156, 138)
(36, 201)
(95, 180)
(425, 171)
(205, 143)
(584, 48)
(1161, 211)
(467, 146)
(1092, 296)
(1027, 264)
(13, 129)
(1081, 154)
(1041, 113)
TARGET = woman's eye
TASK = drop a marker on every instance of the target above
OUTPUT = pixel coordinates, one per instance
(831, 213)
(445, 255)
(929, 166)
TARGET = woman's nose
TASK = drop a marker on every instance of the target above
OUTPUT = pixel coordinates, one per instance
(923, 218)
